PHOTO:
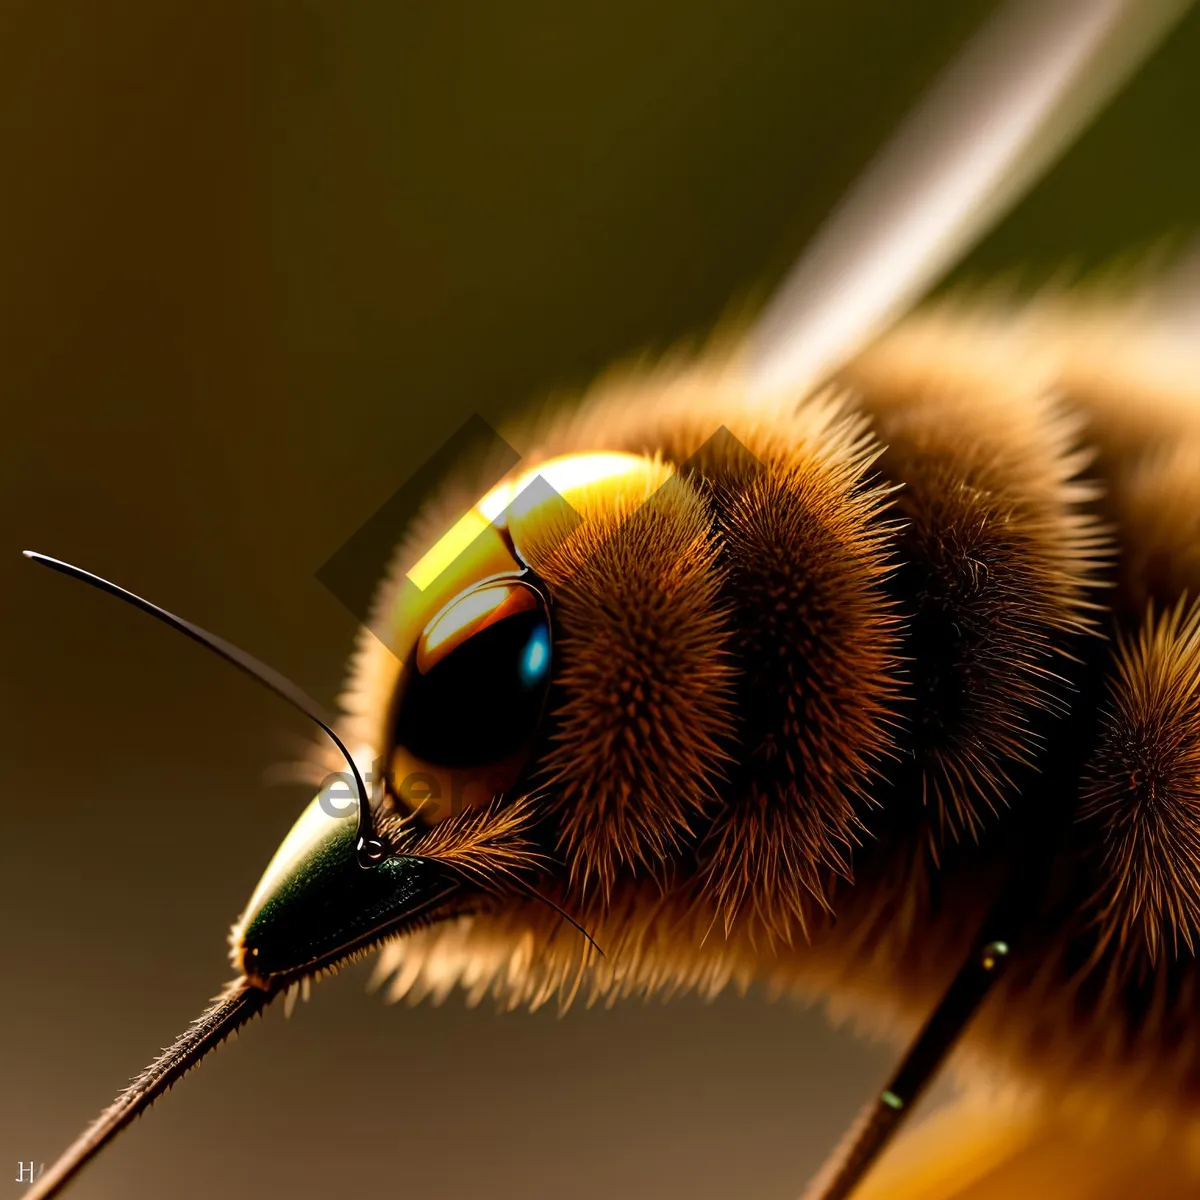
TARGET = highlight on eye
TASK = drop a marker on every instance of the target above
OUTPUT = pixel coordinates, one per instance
(471, 695)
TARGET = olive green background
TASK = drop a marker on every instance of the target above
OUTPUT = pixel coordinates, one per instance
(256, 262)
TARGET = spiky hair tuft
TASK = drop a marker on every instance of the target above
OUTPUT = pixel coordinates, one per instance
(1000, 548)
(1141, 793)
(816, 643)
(643, 691)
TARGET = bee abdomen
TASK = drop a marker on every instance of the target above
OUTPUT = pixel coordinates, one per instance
(1101, 994)
(999, 549)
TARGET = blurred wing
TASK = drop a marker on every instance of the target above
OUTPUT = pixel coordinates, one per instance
(1176, 300)
(1023, 89)
(973, 1150)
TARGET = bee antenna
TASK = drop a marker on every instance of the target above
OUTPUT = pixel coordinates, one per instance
(369, 847)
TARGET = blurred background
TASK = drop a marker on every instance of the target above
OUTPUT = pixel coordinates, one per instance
(257, 261)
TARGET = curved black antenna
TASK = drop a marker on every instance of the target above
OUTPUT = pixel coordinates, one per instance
(369, 848)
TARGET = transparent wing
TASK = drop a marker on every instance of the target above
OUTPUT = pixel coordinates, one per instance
(996, 120)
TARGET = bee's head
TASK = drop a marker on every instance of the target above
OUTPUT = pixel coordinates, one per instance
(655, 657)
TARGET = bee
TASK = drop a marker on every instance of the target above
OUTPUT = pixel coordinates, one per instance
(858, 656)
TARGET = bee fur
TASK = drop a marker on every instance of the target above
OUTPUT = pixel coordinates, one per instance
(988, 484)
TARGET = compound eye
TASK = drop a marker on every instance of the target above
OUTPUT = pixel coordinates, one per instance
(470, 698)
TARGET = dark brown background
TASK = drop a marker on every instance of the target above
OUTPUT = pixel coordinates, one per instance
(256, 261)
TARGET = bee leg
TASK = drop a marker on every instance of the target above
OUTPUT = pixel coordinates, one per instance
(870, 1136)
(1010, 919)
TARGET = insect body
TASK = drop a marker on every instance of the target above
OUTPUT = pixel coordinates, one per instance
(915, 681)
(886, 688)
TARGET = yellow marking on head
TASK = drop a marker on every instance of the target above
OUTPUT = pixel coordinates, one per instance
(514, 498)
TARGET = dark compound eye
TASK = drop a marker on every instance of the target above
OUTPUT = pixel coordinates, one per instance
(471, 697)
